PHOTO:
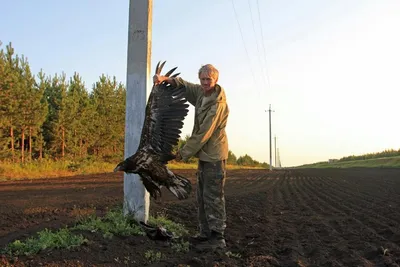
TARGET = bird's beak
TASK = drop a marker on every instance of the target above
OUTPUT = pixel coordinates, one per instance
(118, 168)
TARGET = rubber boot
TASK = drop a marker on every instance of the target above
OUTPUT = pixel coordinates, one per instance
(216, 241)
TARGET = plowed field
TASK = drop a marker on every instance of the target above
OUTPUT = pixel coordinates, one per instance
(296, 217)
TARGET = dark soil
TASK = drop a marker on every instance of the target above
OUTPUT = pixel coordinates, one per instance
(302, 217)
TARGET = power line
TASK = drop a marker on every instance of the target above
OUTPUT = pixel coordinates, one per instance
(244, 43)
(262, 41)
(255, 35)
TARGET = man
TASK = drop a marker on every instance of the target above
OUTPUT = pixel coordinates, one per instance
(209, 144)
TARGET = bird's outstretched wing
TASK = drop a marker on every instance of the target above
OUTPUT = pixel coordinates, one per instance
(165, 111)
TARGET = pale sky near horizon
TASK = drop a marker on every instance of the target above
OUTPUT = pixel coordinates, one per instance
(330, 68)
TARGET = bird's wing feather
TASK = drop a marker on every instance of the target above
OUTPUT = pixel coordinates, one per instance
(165, 111)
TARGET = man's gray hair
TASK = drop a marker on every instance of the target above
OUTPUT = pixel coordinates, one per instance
(210, 70)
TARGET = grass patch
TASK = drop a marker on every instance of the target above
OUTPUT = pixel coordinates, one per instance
(180, 246)
(230, 254)
(113, 223)
(181, 165)
(389, 162)
(67, 168)
(153, 257)
(51, 169)
(45, 239)
(177, 229)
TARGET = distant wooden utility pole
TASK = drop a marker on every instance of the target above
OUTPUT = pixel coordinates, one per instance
(136, 198)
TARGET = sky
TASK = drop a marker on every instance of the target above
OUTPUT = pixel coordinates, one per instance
(329, 69)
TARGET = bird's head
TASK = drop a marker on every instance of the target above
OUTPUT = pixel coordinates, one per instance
(121, 166)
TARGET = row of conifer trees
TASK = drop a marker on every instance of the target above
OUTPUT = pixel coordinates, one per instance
(43, 116)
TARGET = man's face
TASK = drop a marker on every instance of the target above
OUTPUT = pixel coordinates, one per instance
(207, 82)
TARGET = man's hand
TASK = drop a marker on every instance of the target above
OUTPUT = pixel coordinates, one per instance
(157, 79)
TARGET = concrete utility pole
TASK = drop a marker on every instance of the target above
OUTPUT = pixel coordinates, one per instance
(136, 198)
(270, 139)
(275, 149)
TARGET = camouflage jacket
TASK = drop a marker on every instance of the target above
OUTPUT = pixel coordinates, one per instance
(208, 141)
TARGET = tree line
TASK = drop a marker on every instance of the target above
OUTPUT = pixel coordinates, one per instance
(383, 154)
(56, 117)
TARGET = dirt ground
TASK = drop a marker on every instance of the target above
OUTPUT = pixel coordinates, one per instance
(310, 217)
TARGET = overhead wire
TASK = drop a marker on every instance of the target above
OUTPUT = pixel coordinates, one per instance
(262, 41)
(258, 49)
(244, 43)
(264, 75)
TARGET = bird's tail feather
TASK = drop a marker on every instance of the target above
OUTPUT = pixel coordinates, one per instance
(181, 187)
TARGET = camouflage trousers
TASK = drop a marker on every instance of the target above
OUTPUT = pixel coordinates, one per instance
(210, 196)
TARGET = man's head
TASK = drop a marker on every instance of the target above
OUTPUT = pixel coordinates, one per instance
(208, 76)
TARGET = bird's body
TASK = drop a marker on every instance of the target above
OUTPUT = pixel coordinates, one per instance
(165, 112)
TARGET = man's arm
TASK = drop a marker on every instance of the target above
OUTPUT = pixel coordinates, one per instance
(192, 90)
